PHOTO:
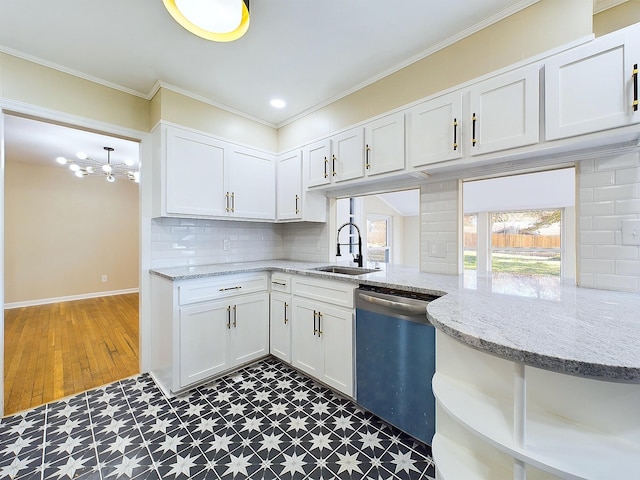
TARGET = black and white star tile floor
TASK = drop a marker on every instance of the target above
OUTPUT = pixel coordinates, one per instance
(266, 421)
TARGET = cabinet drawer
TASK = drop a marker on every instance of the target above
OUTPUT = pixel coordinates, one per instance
(333, 292)
(199, 290)
(280, 282)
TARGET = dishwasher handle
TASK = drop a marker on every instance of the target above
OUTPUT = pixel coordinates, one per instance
(412, 308)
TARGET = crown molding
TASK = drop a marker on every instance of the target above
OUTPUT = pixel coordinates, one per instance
(507, 12)
(602, 5)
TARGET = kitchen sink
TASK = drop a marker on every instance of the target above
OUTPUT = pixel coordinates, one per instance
(345, 270)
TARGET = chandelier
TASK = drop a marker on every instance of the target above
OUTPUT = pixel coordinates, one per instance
(217, 20)
(85, 165)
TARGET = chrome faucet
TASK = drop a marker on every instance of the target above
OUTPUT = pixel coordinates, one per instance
(357, 258)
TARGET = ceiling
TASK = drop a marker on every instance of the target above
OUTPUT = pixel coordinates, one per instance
(33, 141)
(305, 52)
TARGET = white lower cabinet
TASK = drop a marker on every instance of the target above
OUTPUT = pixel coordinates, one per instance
(322, 333)
(280, 326)
(203, 327)
(217, 336)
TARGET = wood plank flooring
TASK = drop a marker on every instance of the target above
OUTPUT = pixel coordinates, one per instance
(53, 351)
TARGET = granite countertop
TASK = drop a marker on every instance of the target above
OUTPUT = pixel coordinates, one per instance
(535, 320)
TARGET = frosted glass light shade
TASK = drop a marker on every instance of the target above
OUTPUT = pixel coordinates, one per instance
(107, 168)
(217, 20)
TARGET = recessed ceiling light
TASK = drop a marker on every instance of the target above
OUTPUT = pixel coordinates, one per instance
(278, 103)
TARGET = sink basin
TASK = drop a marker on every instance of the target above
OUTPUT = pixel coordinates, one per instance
(345, 270)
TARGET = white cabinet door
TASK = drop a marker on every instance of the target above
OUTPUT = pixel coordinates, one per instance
(347, 159)
(336, 332)
(249, 327)
(280, 326)
(203, 341)
(384, 144)
(306, 344)
(195, 173)
(504, 111)
(317, 158)
(434, 130)
(252, 184)
(591, 87)
(289, 186)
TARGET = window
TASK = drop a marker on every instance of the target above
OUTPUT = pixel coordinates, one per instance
(378, 238)
(520, 224)
(527, 242)
(470, 232)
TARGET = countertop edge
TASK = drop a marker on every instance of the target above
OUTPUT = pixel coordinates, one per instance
(556, 363)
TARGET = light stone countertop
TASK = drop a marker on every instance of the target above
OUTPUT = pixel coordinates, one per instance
(535, 320)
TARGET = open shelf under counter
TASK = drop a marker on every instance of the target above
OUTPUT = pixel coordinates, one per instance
(555, 425)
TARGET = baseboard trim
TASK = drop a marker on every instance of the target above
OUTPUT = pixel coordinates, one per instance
(70, 298)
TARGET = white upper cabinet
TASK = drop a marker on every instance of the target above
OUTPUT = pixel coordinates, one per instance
(293, 201)
(318, 161)
(347, 155)
(373, 149)
(204, 177)
(504, 111)
(384, 144)
(433, 130)
(251, 184)
(593, 87)
(289, 186)
(194, 174)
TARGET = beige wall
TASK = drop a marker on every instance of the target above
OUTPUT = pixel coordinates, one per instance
(411, 241)
(617, 17)
(35, 84)
(62, 233)
(541, 27)
(177, 108)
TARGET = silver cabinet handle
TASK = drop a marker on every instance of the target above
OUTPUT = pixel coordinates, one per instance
(282, 284)
(229, 317)
(319, 324)
(230, 288)
(285, 313)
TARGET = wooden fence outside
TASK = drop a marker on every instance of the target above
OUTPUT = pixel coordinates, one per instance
(499, 240)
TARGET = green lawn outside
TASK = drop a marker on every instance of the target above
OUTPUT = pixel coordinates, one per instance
(511, 263)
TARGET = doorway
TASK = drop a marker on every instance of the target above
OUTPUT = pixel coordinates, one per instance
(71, 259)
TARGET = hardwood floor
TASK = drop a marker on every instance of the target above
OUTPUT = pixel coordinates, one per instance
(56, 350)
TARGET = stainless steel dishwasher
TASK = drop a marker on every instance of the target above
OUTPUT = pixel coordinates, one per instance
(395, 358)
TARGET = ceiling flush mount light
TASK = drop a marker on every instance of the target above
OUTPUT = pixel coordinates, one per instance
(278, 103)
(86, 165)
(217, 20)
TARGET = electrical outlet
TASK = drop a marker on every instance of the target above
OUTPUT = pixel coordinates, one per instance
(631, 232)
(226, 244)
(104, 278)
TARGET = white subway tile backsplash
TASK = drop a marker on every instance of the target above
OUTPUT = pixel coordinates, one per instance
(598, 266)
(627, 207)
(586, 166)
(596, 208)
(626, 160)
(625, 283)
(596, 238)
(603, 261)
(627, 175)
(585, 194)
(599, 179)
(586, 251)
(628, 267)
(616, 192)
(617, 252)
